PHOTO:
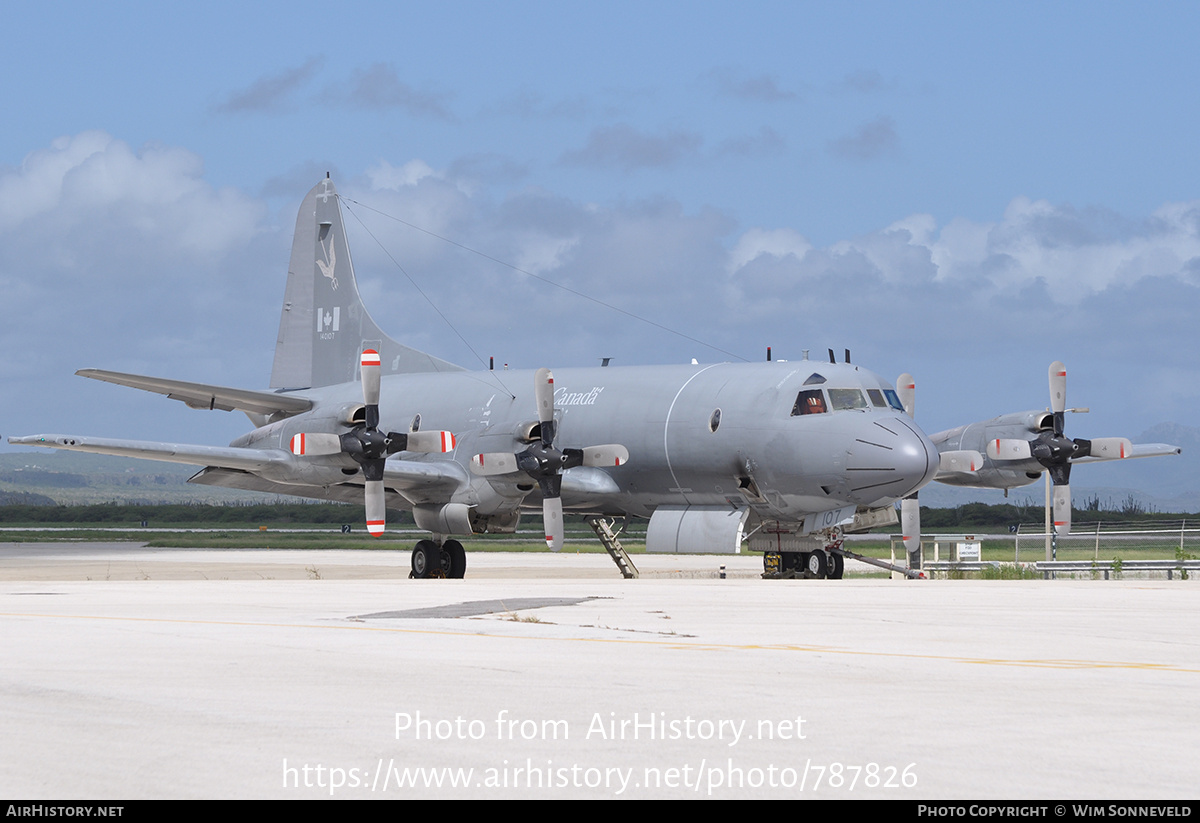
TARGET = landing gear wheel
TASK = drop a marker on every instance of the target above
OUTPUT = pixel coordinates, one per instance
(793, 565)
(837, 566)
(817, 566)
(454, 559)
(424, 555)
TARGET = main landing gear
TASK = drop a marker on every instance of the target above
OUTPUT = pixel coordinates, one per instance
(431, 560)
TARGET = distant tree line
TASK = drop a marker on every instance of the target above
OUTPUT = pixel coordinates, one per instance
(969, 516)
(980, 515)
(259, 514)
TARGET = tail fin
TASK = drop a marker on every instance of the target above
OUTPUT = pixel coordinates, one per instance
(324, 326)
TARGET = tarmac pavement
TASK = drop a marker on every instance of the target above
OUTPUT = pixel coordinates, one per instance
(129, 672)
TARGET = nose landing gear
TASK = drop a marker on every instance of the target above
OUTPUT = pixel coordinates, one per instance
(820, 563)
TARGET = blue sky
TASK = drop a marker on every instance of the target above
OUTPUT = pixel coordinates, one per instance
(964, 191)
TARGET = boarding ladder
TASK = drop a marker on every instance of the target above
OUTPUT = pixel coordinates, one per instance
(603, 527)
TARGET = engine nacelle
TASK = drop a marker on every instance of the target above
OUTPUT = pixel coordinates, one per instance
(1007, 474)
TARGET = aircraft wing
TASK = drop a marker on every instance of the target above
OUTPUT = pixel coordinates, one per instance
(1139, 450)
(224, 456)
(405, 482)
(204, 396)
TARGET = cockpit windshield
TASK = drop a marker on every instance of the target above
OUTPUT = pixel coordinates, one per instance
(815, 401)
(844, 399)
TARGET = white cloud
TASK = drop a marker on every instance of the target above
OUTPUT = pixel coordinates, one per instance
(383, 175)
(775, 242)
(92, 190)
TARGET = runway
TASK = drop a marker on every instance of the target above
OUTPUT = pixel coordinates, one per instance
(132, 673)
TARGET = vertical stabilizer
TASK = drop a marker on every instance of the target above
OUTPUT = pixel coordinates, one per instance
(324, 326)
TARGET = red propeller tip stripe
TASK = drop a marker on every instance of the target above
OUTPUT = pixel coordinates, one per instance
(375, 527)
(370, 358)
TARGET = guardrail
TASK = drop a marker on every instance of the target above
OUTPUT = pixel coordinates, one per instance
(1051, 568)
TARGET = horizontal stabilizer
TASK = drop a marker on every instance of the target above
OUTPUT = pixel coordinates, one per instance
(204, 396)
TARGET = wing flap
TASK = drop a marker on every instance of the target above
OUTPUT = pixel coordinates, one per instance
(205, 396)
(405, 484)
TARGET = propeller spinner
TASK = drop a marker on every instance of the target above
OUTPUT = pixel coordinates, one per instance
(545, 462)
(369, 447)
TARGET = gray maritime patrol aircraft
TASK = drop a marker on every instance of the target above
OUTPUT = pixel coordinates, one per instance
(783, 456)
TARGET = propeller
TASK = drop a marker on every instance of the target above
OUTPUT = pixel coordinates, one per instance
(963, 461)
(369, 447)
(545, 462)
(1055, 451)
(910, 508)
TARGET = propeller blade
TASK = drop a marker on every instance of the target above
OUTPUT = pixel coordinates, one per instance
(1058, 394)
(1111, 448)
(543, 387)
(430, 442)
(375, 507)
(317, 443)
(906, 389)
(609, 455)
(1006, 448)
(1058, 387)
(370, 381)
(552, 516)
(1062, 509)
(910, 523)
(543, 383)
(493, 463)
(965, 460)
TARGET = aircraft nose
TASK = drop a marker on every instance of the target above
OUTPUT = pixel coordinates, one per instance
(890, 458)
(915, 457)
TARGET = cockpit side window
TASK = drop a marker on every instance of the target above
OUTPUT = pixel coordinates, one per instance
(810, 402)
(877, 398)
(842, 399)
(893, 399)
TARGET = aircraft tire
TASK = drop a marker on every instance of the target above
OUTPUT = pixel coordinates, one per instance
(837, 566)
(423, 555)
(454, 559)
(817, 566)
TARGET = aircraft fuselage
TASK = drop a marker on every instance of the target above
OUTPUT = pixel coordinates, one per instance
(697, 435)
